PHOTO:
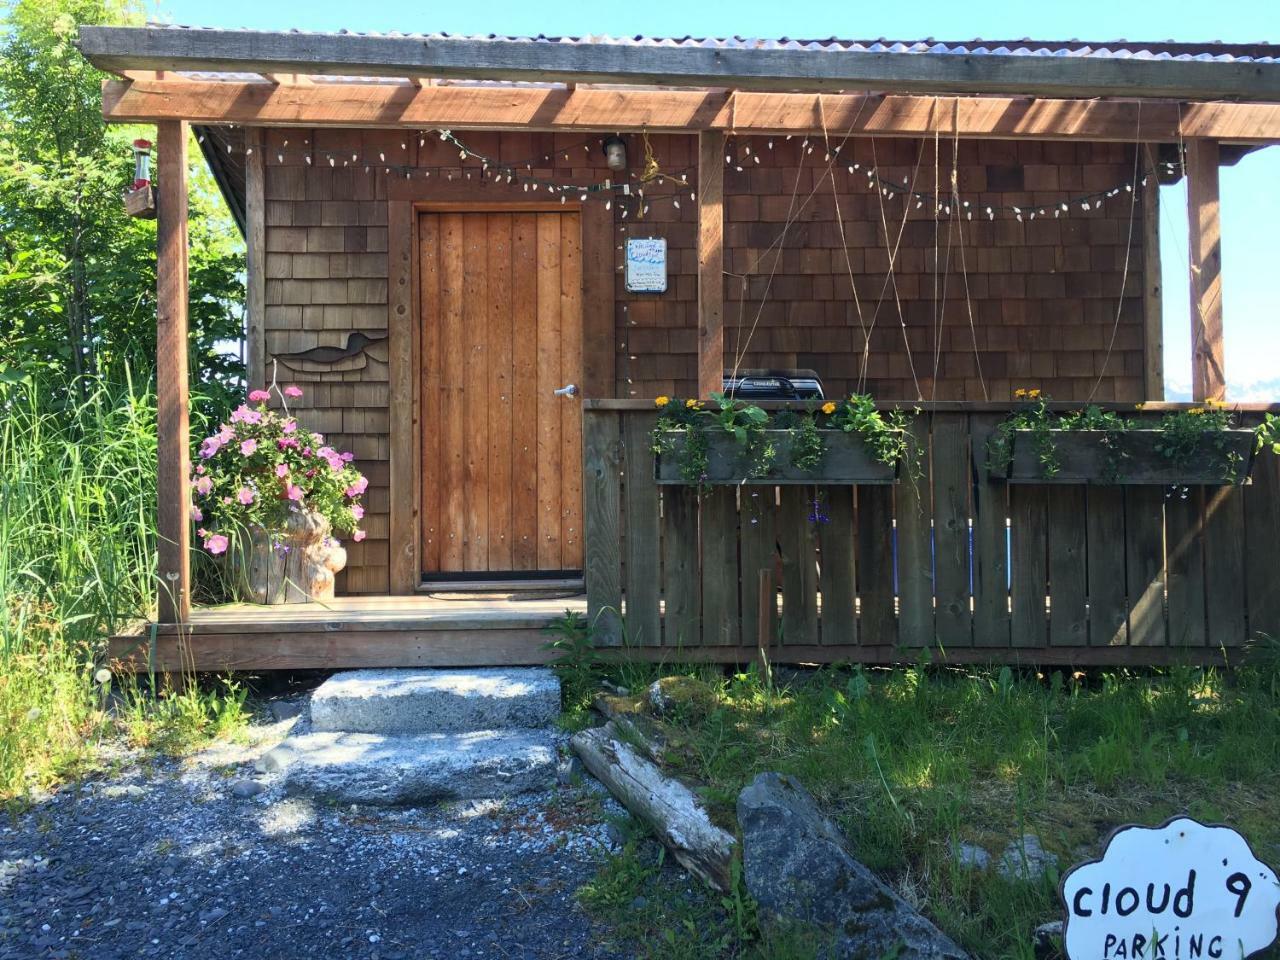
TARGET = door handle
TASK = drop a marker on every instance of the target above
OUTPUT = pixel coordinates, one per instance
(568, 390)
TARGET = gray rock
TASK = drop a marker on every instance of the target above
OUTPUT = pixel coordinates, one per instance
(796, 866)
(416, 768)
(1047, 940)
(244, 789)
(435, 701)
(570, 771)
(287, 709)
(970, 856)
(1025, 859)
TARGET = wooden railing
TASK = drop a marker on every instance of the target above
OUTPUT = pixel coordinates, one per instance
(974, 569)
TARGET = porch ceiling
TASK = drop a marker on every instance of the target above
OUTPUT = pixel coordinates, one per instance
(1075, 69)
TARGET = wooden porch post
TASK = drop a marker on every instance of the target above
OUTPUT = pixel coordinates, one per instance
(173, 519)
(1204, 232)
(710, 263)
(255, 241)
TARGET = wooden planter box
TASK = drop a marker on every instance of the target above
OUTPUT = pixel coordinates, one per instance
(847, 461)
(1084, 458)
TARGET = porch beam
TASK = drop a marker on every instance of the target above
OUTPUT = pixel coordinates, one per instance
(173, 515)
(405, 105)
(255, 238)
(1204, 234)
(710, 263)
(162, 48)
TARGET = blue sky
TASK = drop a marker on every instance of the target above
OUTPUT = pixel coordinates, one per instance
(1250, 190)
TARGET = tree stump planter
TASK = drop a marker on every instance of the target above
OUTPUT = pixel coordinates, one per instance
(295, 565)
(848, 460)
(1129, 458)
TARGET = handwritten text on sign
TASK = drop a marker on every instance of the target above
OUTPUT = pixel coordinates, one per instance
(1182, 891)
(646, 265)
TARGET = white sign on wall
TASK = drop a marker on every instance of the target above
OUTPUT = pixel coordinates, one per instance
(646, 265)
(1182, 891)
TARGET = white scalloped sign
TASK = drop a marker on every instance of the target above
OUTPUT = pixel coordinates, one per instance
(1181, 891)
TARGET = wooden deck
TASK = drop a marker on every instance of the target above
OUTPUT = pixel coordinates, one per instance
(350, 632)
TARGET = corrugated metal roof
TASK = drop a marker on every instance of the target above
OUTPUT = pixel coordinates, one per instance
(1207, 51)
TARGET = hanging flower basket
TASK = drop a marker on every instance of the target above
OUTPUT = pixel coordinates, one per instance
(1128, 457)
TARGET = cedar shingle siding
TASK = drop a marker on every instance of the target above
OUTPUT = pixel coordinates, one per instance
(1042, 296)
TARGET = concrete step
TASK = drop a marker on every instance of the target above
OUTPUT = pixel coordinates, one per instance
(414, 768)
(435, 701)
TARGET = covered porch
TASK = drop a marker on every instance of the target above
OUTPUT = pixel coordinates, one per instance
(954, 563)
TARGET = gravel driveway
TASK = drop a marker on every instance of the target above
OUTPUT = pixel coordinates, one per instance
(162, 858)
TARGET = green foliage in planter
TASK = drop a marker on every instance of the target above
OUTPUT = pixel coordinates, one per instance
(1181, 433)
(885, 435)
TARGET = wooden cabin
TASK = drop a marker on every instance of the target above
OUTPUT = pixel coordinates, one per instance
(441, 236)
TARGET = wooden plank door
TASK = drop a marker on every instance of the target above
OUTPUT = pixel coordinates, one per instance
(501, 314)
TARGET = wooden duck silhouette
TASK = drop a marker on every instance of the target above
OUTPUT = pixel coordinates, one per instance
(357, 343)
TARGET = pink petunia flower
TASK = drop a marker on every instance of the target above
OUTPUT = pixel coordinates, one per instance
(292, 391)
(243, 414)
(357, 511)
(287, 442)
(245, 495)
(216, 544)
(248, 447)
(209, 446)
(282, 470)
(290, 426)
(335, 463)
(196, 514)
(292, 492)
(204, 486)
(357, 488)
(259, 396)
(358, 535)
(348, 457)
(202, 533)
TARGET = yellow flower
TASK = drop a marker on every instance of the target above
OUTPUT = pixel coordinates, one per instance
(1033, 394)
(1196, 411)
(662, 401)
(1019, 393)
(693, 404)
(828, 408)
(1139, 406)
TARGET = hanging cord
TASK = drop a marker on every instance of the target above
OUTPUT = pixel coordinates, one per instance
(793, 214)
(1128, 251)
(844, 243)
(964, 267)
(891, 277)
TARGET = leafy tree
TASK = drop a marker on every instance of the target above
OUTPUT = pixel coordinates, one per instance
(77, 275)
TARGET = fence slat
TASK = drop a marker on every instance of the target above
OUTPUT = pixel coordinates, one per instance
(759, 551)
(1224, 566)
(836, 572)
(1144, 558)
(878, 625)
(601, 495)
(643, 533)
(719, 519)
(951, 528)
(1068, 612)
(1028, 508)
(1104, 548)
(913, 507)
(1185, 546)
(990, 544)
(681, 622)
(1262, 545)
(799, 566)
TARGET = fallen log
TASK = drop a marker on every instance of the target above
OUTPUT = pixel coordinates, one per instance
(674, 812)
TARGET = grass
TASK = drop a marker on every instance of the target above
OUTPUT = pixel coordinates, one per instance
(913, 761)
(77, 560)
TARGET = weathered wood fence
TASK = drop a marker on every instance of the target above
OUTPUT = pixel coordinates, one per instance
(975, 569)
